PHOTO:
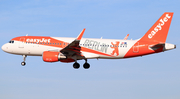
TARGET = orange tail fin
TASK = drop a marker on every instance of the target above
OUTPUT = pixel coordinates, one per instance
(158, 32)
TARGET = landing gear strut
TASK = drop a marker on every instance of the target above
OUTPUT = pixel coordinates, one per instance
(24, 58)
(86, 65)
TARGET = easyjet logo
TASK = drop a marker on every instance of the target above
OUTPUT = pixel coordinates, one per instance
(38, 40)
(159, 26)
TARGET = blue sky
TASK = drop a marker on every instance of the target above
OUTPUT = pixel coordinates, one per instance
(148, 77)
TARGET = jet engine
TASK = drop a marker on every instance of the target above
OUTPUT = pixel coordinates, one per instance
(50, 56)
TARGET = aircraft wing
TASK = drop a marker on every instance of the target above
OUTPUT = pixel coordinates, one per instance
(73, 48)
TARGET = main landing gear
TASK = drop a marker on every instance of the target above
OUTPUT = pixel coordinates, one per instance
(76, 65)
(24, 58)
(86, 65)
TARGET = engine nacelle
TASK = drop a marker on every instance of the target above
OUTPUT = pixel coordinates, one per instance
(50, 56)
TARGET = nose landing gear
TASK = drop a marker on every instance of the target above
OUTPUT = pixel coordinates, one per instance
(23, 63)
(24, 58)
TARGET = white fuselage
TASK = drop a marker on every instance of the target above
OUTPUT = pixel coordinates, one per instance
(99, 45)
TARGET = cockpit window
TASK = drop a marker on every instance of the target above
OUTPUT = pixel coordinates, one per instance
(11, 41)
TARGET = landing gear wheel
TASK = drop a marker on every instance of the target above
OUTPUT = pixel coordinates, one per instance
(23, 63)
(76, 65)
(86, 65)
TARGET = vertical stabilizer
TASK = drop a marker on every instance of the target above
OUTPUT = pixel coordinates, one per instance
(158, 32)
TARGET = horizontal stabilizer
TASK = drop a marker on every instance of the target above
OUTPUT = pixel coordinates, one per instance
(157, 46)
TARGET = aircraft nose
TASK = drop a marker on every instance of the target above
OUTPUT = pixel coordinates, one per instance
(4, 47)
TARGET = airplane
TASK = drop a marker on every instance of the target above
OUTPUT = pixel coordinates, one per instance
(54, 49)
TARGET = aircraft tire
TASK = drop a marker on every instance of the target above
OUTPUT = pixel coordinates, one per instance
(86, 65)
(23, 63)
(76, 65)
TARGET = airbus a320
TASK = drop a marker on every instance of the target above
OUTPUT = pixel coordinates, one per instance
(54, 49)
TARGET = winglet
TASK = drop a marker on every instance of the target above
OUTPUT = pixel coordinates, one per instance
(126, 37)
(81, 34)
